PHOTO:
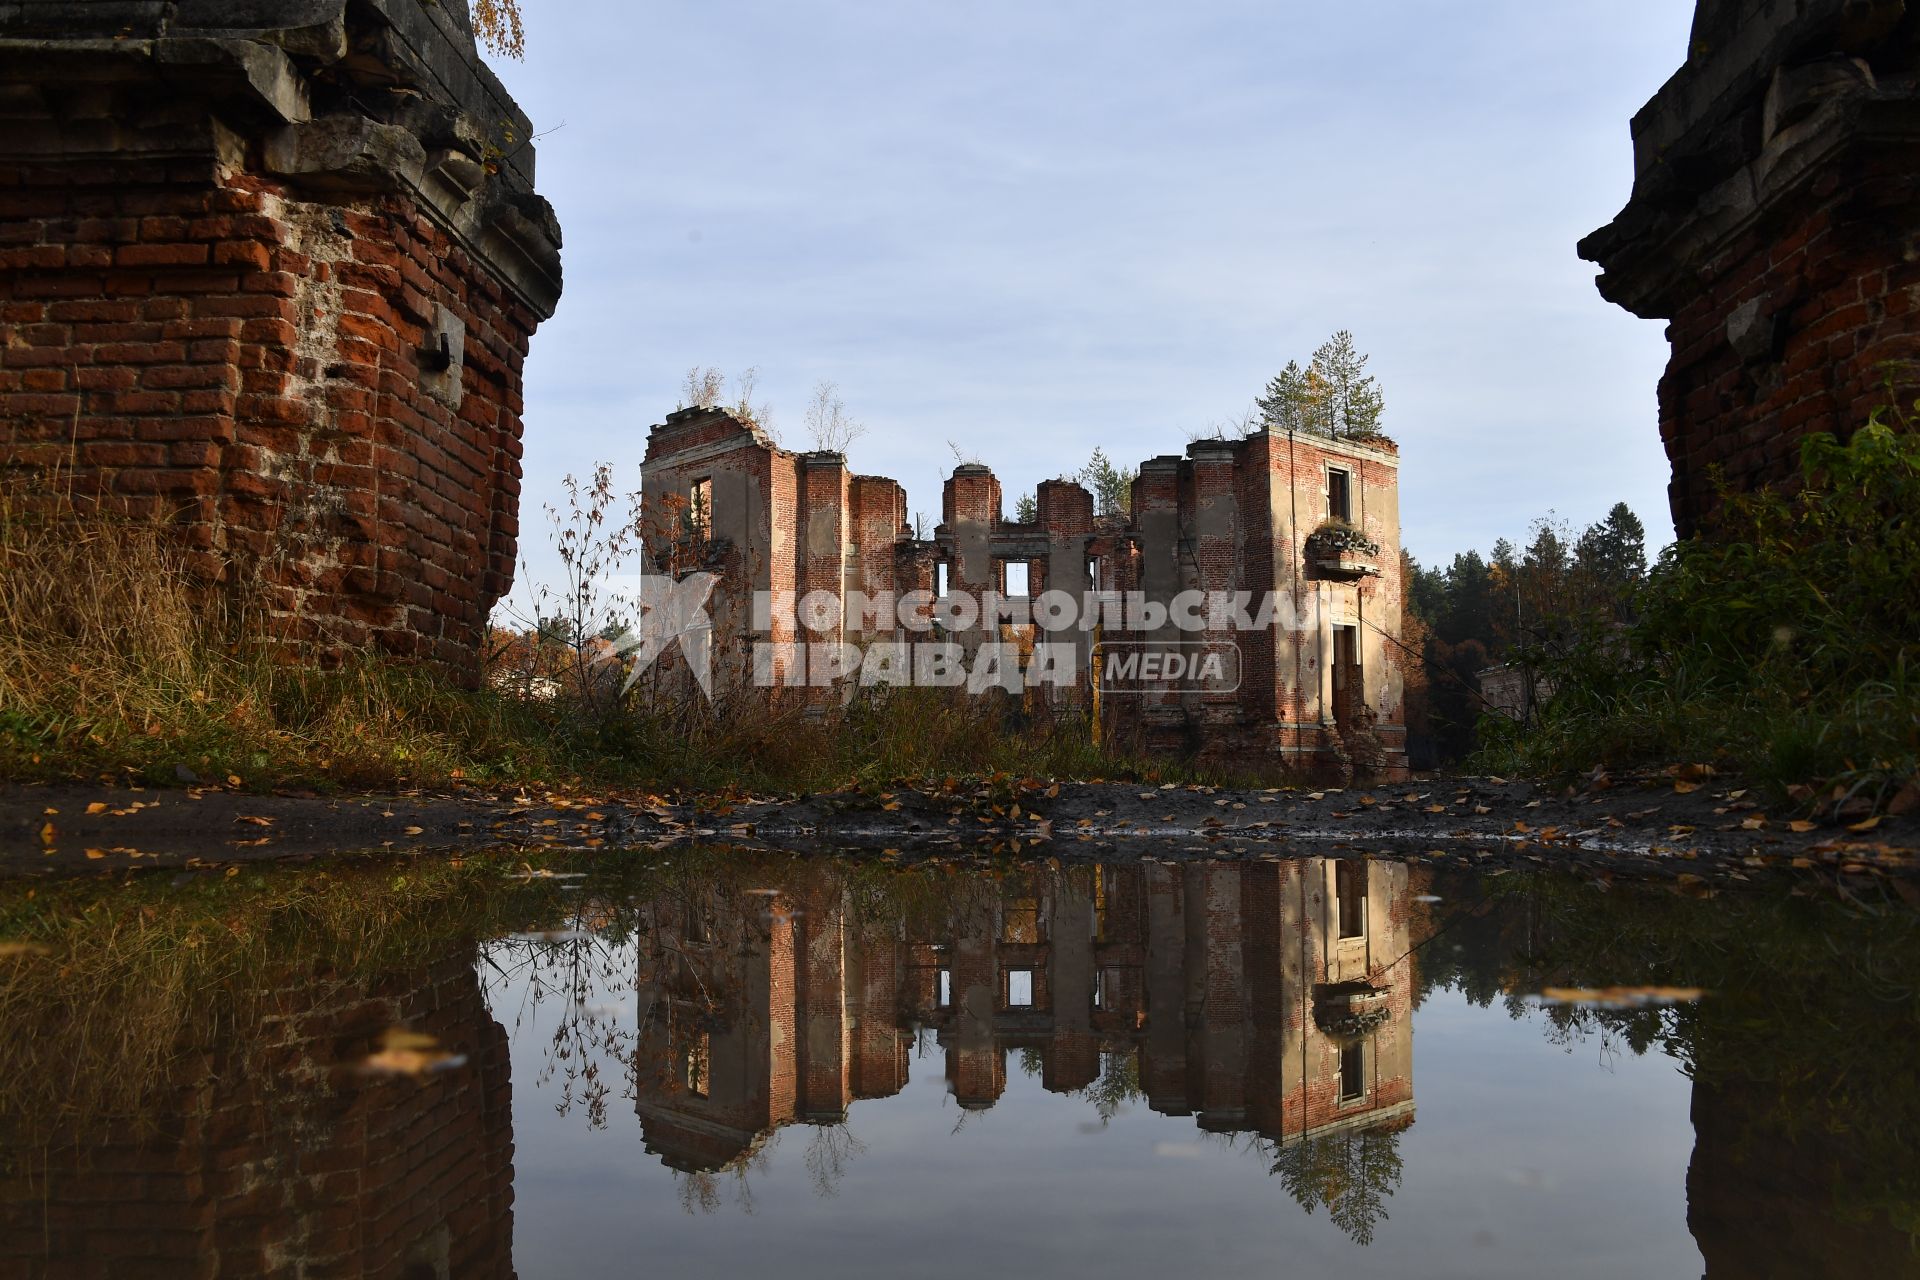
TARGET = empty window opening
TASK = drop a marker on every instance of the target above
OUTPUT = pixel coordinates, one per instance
(1019, 575)
(694, 1063)
(1019, 988)
(941, 580)
(700, 508)
(1350, 893)
(1353, 1071)
(1106, 986)
(1021, 920)
(945, 993)
(1339, 494)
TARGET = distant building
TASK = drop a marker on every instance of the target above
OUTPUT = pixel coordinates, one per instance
(1267, 998)
(1305, 523)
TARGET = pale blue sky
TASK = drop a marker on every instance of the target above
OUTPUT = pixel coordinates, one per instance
(1036, 228)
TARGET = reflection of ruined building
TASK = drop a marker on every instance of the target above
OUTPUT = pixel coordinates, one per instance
(1272, 998)
(1310, 521)
(268, 271)
(1772, 221)
(271, 1158)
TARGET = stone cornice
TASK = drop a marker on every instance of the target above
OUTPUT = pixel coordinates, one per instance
(391, 98)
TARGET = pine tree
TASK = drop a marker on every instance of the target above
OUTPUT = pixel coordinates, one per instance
(1111, 486)
(1287, 404)
(1350, 402)
(1333, 396)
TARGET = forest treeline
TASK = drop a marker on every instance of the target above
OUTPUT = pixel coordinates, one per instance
(1480, 612)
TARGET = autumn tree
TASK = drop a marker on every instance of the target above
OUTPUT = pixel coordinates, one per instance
(829, 425)
(1333, 396)
(497, 26)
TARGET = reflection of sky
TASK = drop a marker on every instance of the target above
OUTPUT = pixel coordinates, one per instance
(1526, 1159)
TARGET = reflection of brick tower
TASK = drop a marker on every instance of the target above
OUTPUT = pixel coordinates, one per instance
(272, 1158)
(1273, 997)
(760, 1009)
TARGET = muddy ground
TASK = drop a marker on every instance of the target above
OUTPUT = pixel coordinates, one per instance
(1657, 825)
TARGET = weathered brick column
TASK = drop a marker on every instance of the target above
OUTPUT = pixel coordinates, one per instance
(1774, 222)
(269, 271)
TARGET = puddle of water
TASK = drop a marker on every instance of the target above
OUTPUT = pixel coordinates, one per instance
(702, 1065)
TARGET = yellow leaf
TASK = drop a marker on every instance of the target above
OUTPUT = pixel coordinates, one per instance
(1753, 824)
(96, 853)
(98, 806)
(233, 779)
(255, 820)
(1801, 825)
(47, 834)
(1865, 824)
(414, 831)
(1685, 788)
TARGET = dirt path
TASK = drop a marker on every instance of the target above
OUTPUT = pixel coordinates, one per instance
(1649, 826)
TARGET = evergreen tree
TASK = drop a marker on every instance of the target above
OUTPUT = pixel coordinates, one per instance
(1333, 396)
(1111, 486)
(1350, 402)
(1287, 404)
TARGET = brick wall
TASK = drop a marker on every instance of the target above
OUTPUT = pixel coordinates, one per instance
(273, 1158)
(1772, 223)
(226, 317)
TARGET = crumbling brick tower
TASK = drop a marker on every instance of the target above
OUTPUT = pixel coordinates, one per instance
(1773, 221)
(269, 271)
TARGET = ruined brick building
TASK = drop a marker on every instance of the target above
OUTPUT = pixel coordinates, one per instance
(1266, 998)
(1308, 522)
(268, 271)
(1773, 224)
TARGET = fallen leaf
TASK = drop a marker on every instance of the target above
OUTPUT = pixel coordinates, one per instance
(98, 806)
(1866, 824)
(1685, 788)
(409, 1053)
(1801, 825)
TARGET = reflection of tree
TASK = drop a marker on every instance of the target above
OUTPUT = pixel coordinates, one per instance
(1119, 1083)
(1351, 1174)
(700, 1191)
(829, 1151)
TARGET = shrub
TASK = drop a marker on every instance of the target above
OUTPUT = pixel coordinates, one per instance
(1782, 644)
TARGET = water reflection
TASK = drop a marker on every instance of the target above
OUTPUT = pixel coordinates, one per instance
(179, 1086)
(1268, 998)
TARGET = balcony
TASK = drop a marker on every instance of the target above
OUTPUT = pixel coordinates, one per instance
(1340, 550)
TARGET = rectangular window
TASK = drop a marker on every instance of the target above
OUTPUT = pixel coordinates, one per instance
(1350, 893)
(1019, 574)
(1021, 920)
(1019, 988)
(1353, 1071)
(694, 1063)
(700, 508)
(1339, 494)
(940, 580)
(1100, 891)
(1106, 989)
(945, 995)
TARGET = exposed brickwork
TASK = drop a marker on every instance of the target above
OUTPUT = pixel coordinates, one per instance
(1218, 978)
(227, 323)
(1236, 516)
(275, 1159)
(1772, 222)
